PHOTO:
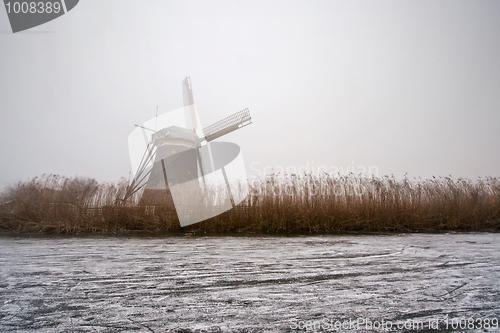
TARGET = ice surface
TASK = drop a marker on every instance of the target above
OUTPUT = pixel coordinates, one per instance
(243, 284)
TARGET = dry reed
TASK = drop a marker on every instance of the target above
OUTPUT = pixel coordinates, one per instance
(291, 203)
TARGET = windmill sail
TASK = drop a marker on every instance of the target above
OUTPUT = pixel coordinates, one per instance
(188, 101)
(227, 125)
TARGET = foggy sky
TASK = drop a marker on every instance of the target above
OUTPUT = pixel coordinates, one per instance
(399, 86)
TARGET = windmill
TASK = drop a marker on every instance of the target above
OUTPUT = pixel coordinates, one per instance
(180, 162)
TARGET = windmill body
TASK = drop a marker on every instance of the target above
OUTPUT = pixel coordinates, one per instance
(169, 141)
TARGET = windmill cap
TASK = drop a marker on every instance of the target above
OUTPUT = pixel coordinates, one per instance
(174, 134)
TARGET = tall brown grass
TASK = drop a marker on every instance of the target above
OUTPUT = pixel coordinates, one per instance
(292, 203)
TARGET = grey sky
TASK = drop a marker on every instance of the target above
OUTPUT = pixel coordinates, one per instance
(407, 86)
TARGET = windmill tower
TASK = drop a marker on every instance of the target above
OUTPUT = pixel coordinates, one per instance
(179, 157)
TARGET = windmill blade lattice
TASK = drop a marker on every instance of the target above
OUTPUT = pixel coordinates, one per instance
(227, 125)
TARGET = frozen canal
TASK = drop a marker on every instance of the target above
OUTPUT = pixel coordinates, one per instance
(250, 284)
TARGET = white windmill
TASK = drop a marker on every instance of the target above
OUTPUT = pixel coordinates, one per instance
(179, 165)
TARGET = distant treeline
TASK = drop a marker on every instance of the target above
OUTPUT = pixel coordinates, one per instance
(291, 203)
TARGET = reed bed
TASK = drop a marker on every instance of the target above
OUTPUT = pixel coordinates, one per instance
(290, 203)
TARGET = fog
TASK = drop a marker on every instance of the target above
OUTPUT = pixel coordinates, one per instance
(388, 86)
